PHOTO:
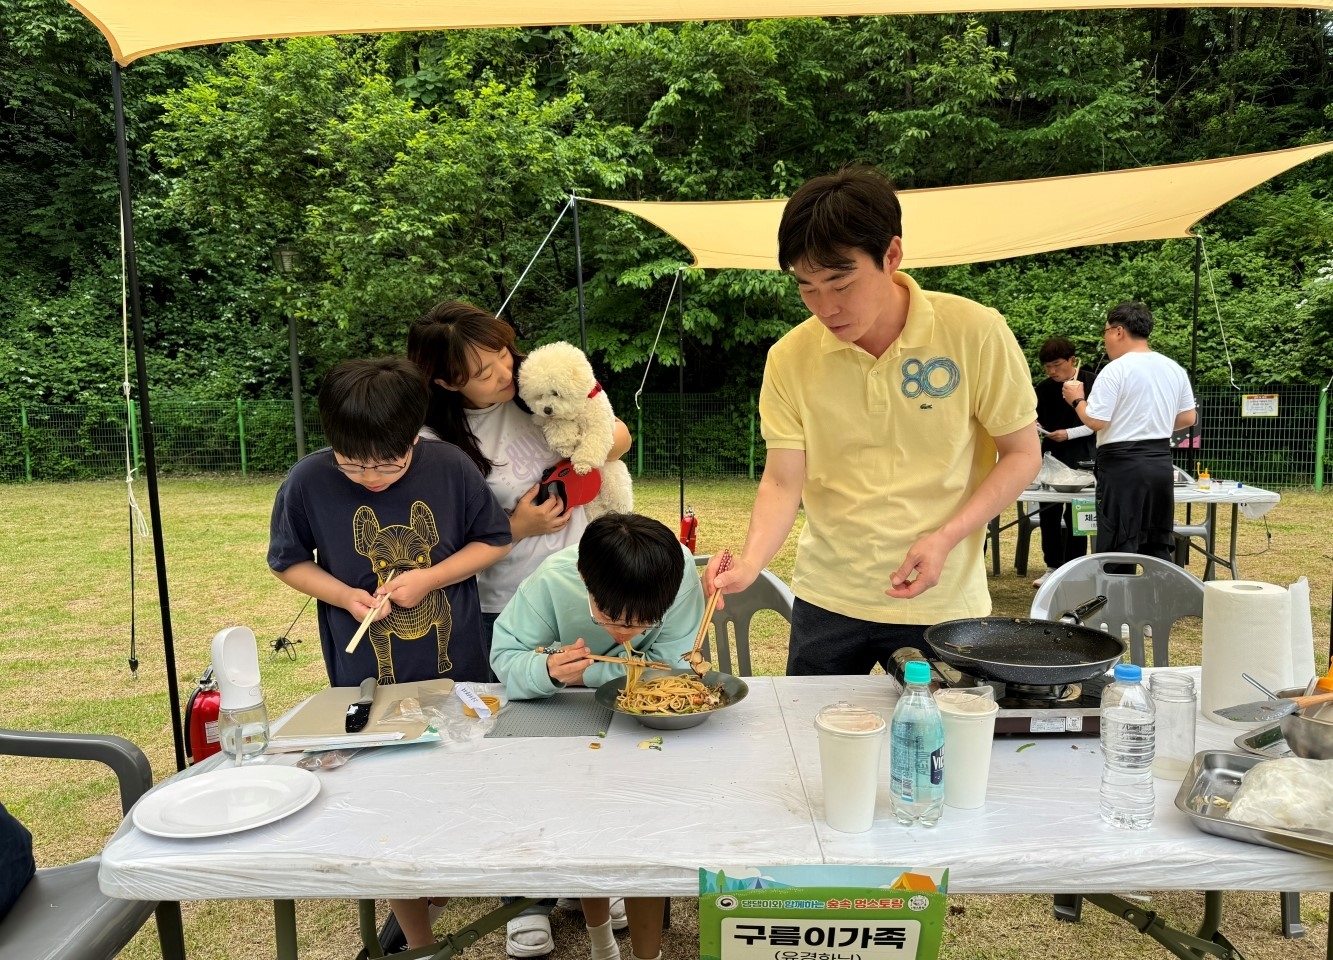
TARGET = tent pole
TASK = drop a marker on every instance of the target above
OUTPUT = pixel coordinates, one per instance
(578, 274)
(1194, 326)
(149, 453)
(680, 380)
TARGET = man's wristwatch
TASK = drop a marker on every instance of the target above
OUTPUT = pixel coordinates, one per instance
(1077, 401)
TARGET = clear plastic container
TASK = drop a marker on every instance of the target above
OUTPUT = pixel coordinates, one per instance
(1128, 733)
(243, 733)
(916, 752)
(1175, 705)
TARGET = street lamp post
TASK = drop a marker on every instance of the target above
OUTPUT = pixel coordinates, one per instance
(287, 259)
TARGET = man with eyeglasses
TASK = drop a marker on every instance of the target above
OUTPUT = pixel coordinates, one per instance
(1064, 437)
(627, 585)
(1139, 399)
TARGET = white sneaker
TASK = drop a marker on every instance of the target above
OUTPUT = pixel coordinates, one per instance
(1042, 579)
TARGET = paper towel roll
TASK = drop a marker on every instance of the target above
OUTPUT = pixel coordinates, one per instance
(1246, 629)
(1303, 664)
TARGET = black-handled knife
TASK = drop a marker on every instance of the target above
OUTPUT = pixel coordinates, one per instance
(358, 714)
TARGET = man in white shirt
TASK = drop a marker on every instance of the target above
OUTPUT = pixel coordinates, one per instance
(1139, 398)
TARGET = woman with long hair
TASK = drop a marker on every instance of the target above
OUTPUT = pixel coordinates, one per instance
(472, 365)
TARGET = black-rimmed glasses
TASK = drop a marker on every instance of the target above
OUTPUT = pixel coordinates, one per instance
(615, 624)
(383, 469)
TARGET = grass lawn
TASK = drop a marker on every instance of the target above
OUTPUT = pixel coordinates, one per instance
(75, 613)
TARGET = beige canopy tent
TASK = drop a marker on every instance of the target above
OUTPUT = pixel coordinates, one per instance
(992, 221)
(135, 28)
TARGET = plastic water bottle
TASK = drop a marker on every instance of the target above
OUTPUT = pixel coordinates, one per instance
(916, 751)
(1128, 727)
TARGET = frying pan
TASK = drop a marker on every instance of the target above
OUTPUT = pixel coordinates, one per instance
(1018, 650)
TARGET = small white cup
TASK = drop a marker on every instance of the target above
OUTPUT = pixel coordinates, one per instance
(969, 732)
(851, 742)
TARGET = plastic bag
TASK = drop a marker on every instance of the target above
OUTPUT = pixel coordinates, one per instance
(1053, 471)
(443, 710)
(1290, 793)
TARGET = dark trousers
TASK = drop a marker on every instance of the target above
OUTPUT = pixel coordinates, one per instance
(1136, 507)
(824, 643)
(1059, 545)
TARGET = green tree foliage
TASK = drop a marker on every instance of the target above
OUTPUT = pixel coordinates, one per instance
(413, 167)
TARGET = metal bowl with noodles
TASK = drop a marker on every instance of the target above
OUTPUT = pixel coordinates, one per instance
(729, 691)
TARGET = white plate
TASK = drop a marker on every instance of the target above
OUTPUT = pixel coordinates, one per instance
(226, 800)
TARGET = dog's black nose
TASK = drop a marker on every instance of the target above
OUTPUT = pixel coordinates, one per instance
(547, 410)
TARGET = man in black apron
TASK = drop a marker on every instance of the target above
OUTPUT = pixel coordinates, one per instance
(1139, 398)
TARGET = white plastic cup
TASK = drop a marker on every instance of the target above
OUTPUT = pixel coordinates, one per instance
(969, 731)
(851, 742)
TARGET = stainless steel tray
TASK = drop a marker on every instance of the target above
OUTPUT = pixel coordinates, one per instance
(1266, 741)
(1215, 775)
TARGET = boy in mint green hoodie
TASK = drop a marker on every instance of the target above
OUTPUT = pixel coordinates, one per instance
(627, 583)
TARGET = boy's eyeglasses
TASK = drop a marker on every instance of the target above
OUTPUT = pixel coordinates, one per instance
(383, 469)
(608, 624)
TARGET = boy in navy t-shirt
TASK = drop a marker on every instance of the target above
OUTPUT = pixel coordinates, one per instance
(379, 502)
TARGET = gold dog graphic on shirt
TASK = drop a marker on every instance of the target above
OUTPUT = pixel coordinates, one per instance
(403, 548)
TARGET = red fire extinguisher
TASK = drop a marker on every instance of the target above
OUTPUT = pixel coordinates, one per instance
(689, 528)
(201, 719)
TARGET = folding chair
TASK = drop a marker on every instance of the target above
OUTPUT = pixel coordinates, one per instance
(62, 914)
(731, 625)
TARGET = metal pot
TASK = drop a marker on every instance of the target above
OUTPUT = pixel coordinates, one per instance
(1309, 732)
(1015, 650)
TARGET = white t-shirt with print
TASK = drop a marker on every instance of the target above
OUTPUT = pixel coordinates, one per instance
(515, 445)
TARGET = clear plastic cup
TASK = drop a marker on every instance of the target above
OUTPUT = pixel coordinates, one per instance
(1177, 706)
(851, 742)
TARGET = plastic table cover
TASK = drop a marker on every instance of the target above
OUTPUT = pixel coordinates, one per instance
(1253, 502)
(537, 816)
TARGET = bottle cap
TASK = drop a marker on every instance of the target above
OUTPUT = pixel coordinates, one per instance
(1129, 672)
(916, 671)
(236, 667)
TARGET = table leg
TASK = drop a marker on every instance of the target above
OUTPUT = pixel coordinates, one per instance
(284, 925)
(1235, 515)
(170, 931)
(1210, 568)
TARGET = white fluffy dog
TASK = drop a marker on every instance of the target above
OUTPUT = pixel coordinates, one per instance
(558, 385)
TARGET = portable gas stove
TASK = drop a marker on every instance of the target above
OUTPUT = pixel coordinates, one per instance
(1073, 708)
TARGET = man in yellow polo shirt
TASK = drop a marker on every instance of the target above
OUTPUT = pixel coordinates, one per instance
(902, 420)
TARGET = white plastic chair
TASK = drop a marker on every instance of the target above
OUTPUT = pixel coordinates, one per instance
(1142, 605)
(731, 625)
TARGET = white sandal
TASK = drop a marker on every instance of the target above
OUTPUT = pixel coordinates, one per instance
(529, 935)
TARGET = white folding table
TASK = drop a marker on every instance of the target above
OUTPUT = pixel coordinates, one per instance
(553, 815)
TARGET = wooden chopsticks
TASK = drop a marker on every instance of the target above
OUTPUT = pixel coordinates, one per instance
(370, 615)
(695, 657)
(650, 664)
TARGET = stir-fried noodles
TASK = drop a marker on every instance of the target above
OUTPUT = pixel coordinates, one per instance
(684, 693)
